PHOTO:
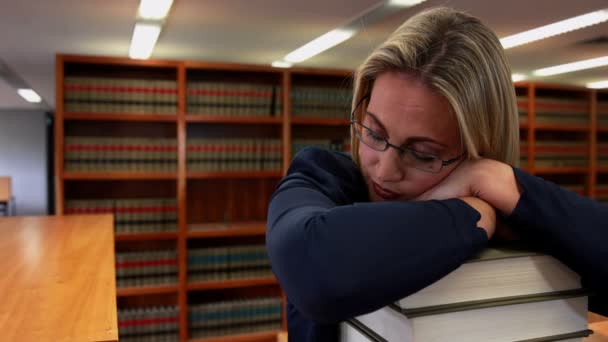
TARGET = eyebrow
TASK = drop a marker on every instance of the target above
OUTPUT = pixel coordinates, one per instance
(409, 140)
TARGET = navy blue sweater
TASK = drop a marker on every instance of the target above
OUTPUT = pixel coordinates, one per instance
(337, 255)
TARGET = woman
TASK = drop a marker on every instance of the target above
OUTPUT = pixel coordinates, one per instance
(434, 131)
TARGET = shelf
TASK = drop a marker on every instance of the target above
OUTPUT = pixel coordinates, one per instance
(524, 126)
(122, 175)
(233, 174)
(121, 117)
(231, 284)
(320, 121)
(602, 129)
(269, 336)
(561, 170)
(558, 127)
(145, 236)
(147, 290)
(233, 119)
(602, 169)
(212, 230)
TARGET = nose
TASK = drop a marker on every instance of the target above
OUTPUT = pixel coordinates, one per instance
(389, 167)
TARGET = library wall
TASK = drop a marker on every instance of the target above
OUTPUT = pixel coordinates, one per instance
(23, 150)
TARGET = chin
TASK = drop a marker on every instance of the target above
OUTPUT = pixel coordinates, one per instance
(373, 197)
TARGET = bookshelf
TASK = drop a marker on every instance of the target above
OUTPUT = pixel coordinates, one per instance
(187, 154)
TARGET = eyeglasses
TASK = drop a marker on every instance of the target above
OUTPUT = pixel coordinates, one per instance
(409, 157)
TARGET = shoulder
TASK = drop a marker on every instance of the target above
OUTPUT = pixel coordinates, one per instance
(322, 158)
(329, 171)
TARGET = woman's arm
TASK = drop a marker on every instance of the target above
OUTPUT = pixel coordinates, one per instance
(336, 259)
(571, 227)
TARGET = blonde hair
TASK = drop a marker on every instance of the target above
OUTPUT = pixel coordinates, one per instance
(458, 57)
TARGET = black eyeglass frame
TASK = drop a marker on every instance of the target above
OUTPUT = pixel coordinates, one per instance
(387, 144)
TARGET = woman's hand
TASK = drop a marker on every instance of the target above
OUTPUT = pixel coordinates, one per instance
(487, 221)
(490, 180)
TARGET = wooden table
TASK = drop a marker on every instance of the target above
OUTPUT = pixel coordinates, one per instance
(57, 279)
(5, 194)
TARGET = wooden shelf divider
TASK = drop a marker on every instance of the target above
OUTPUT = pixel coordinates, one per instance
(146, 290)
(268, 336)
(231, 284)
(121, 117)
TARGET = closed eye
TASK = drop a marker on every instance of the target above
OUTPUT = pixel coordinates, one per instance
(422, 156)
(375, 136)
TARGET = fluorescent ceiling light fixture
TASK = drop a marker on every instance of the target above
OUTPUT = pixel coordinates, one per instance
(29, 95)
(318, 45)
(154, 9)
(405, 3)
(281, 64)
(518, 77)
(143, 41)
(564, 68)
(554, 29)
(598, 85)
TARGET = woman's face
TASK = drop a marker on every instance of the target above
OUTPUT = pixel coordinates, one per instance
(408, 114)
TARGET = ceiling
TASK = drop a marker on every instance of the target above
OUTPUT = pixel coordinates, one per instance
(262, 31)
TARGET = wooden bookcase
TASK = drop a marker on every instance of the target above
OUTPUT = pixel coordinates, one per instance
(129, 131)
(275, 111)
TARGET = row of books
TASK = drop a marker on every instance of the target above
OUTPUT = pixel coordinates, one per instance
(235, 317)
(561, 153)
(134, 215)
(522, 108)
(549, 110)
(602, 111)
(119, 95)
(156, 323)
(321, 102)
(561, 111)
(224, 263)
(504, 294)
(602, 193)
(602, 153)
(230, 154)
(335, 144)
(523, 153)
(234, 99)
(145, 268)
(84, 154)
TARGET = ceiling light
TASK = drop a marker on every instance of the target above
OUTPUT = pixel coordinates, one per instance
(598, 85)
(405, 3)
(554, 29)
(281, 64)
(143, 41)
(564, 68)
(29, 95)
(154, 9)
(518, 77)
(318, 45)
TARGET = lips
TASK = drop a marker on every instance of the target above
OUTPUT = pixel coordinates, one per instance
(383, 193)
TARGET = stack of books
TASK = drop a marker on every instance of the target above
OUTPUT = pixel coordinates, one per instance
(504, 294)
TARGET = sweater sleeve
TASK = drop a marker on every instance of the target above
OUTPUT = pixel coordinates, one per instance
(336, 259)
(571, 227)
